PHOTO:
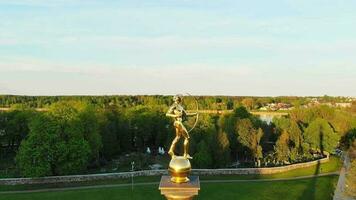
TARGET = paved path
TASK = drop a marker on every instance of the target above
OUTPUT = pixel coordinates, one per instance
(339, 193)
(156, 183)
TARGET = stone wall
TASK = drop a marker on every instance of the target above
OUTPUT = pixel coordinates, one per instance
(80, 178)
(262, 170)
(122, 175)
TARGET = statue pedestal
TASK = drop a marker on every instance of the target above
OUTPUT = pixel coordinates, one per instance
(179, 191)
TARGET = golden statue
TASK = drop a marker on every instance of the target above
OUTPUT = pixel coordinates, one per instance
(179, 165)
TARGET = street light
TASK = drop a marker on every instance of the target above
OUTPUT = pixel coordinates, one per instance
(132, 172)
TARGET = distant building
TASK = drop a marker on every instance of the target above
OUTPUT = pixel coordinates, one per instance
(340, 104)
(343, 105)
(264, 108)
(277, 106)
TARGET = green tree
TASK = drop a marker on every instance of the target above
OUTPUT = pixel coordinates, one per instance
(307, 115)
(56, 144)
(221, 149)
(88, 120)
(250, 138)
(295, 135)
(241, 113)
(110, 130)
(258, 153)
(142, 126)
(148, 127)
(343, 122)
(230, 104)
(294, 140)
(349, 138)
(202, 159)
(36, 153)
(281, 123)
(227, 124)
(320, 136)
(282, 148)
(248, 103)
(15, 127)
(82, 118)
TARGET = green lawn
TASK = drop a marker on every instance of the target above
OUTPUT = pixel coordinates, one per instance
(333, 165)
(311, 189)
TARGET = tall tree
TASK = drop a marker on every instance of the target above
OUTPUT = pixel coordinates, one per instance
(221, 153)
(109, 128)
(248, 103)
(282, 148)
(295, 135)
(320, 135)
(250, 138)
(202, 159)
(83, 117)
(88, 121)
(52, 148)
(293, 142)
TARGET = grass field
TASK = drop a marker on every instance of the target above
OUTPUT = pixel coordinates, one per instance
(314, 189)
(333, 165)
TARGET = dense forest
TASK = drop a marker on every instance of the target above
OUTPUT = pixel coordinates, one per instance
(76, 133)
(205, 102)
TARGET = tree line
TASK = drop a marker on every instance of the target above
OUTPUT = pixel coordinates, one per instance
(73, 136)
(205, 102)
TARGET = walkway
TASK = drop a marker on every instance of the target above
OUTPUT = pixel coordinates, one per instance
(340, 188)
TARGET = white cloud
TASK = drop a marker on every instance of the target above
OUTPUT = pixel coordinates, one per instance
(57, 78)
(175, 46)
(34, 77)
(33, 65)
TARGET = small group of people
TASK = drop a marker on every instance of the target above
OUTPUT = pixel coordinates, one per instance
(160, 150)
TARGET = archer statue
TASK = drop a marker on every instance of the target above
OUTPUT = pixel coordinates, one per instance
(177, 112)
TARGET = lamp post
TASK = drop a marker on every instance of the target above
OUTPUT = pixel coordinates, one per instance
(132, 174)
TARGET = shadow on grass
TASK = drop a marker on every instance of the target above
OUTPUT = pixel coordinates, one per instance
(310, 190)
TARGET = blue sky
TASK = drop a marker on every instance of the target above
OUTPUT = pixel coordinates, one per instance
(66, 47)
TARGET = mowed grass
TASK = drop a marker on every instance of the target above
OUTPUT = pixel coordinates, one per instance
(333, 165)
(311, 189)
